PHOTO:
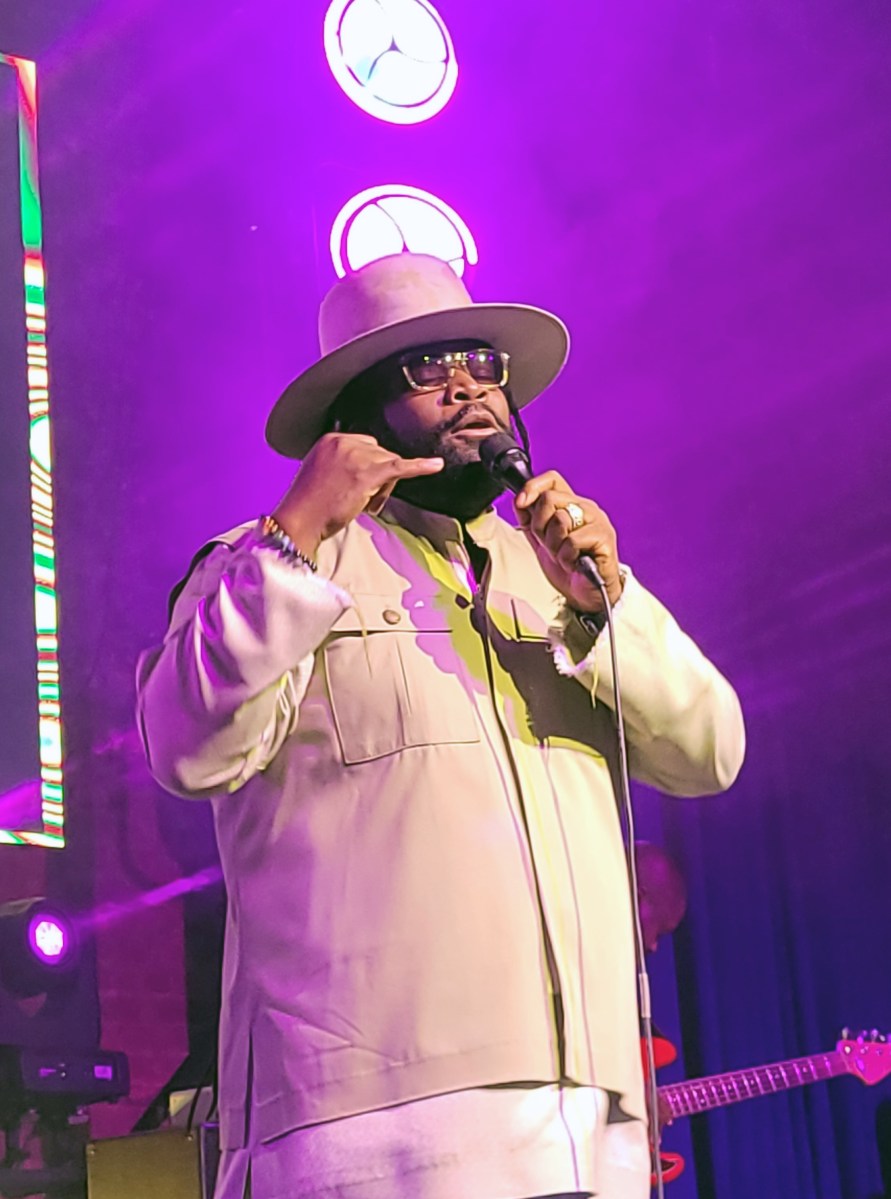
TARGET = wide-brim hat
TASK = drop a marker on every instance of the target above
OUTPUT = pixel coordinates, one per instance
(396, 304)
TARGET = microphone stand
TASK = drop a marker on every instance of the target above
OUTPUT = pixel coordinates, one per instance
(508, 462)
(587, 567)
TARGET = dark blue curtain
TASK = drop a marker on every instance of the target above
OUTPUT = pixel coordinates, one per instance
(788, 936)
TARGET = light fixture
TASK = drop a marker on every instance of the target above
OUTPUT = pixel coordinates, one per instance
(395, 217)
(39, 946)
(393, 58)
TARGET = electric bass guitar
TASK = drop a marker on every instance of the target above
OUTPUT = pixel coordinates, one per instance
(866, 1056)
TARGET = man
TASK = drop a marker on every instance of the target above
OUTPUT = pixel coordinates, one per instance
(661, 893)
(662, 904)
(399, 705)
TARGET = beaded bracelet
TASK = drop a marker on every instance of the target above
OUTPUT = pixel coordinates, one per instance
(277, 537)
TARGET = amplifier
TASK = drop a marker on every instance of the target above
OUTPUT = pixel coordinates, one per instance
(171, 1164)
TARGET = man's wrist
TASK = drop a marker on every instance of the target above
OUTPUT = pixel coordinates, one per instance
(592, 622)
(595, 622)
(276, 537)
(302, 532)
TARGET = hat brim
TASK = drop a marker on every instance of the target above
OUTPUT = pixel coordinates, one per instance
(537, 341)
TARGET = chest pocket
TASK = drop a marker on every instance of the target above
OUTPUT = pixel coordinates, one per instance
(401, 684)
(559, 710)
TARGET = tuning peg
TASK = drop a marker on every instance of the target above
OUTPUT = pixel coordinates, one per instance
(874, 1034)
(846, 1033)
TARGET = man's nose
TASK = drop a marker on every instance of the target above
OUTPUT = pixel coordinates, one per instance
(463, 387)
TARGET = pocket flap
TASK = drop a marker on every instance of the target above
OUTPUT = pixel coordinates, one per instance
(399, 691)
(529, 624)
(406, 613)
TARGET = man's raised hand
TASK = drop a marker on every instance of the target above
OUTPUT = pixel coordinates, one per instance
(342, 475)
(541, 509)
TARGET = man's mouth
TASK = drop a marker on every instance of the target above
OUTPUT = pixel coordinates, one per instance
(478, 424)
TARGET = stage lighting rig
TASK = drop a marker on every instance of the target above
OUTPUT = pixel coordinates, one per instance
(40, 947)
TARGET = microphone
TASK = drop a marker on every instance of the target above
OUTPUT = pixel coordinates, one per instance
(509, 463)
(506, 460)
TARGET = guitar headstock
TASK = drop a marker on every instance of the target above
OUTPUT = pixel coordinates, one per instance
(866, 1055)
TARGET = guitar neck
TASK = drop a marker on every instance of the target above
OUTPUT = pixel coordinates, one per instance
(703, 1094)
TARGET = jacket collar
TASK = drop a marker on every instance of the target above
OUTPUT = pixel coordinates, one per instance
(439, 530)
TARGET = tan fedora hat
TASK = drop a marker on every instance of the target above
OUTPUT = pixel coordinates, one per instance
(399, 303)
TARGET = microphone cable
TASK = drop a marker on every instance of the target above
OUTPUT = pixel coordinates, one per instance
(509, 463)
(588, 568)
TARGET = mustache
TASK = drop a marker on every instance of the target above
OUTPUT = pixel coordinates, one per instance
(467, 413)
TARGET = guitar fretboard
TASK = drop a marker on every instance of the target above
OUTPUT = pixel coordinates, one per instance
(702, 1094)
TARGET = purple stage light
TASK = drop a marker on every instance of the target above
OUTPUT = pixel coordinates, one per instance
(393, 58)
(395, 217)
(47, 939)
(40, 945)
(50, 938)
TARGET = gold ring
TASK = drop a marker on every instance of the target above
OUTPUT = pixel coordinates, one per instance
(576, 515)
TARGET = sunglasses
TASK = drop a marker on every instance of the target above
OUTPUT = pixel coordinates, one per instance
(427, 372)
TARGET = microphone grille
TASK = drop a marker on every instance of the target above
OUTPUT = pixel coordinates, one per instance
(492, 447)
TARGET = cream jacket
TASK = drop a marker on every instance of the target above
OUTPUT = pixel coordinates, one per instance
(411, 780)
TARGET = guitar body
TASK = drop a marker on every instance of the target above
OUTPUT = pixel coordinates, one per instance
(672, 1167)
(664, 1053)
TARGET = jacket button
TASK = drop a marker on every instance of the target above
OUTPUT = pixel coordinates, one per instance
(391, 616)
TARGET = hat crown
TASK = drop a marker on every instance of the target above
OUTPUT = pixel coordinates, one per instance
(385, 292)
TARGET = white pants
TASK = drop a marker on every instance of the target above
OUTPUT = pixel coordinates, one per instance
(623, 1161)
(495, 1143)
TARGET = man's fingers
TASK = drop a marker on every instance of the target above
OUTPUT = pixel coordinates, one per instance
(408, 468)
(557, 531)
(376, 503)
(599, 544)
(550, 504)
(530, 492)
(396, 468)
(551, 525)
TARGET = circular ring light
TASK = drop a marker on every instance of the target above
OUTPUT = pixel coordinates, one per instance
(50, 939)
(40, 946)
(393, 58)
(393, 218)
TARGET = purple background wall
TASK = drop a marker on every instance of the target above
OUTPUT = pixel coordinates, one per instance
(702, 190)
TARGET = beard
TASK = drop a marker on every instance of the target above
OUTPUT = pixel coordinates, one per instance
(463, 489)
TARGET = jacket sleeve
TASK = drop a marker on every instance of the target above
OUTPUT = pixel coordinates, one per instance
(683, 721)
(219, 696)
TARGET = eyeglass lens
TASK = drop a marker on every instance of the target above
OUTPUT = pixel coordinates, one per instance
(484, 366)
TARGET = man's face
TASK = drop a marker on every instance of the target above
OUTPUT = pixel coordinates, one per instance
(450, 422)
(659, 920)
(661, 893)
